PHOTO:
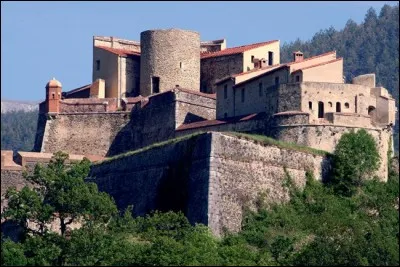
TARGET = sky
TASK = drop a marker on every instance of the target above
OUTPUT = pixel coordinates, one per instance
(42, 40)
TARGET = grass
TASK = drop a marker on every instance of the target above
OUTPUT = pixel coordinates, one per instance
(155, 145)
(270, 141)
(251, 137)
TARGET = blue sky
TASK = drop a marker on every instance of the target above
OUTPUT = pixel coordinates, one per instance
(41, 40)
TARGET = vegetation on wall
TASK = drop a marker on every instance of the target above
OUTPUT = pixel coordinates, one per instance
(318, 226)
(369, 47)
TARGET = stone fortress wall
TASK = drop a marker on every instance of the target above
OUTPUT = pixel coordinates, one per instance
(194, 175)
(175, 64)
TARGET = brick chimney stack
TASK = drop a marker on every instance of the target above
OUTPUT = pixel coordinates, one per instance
(298, 56)
(53, 96)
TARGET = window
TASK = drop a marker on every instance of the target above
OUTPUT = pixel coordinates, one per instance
(310, 105)
(297, 78)
(270, 58)
(156, 84)
(252, 59)
(277, 80)
(338, 107)
(330, 104)
(260, 89)
(97, 64)
(320, 109)
(242, 94)
(346, 105)
(180, 65)
(225, 91)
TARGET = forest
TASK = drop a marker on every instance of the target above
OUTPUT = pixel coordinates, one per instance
(352, 219)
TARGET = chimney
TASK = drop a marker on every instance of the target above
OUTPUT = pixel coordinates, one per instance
(297, 56)
(263, 63)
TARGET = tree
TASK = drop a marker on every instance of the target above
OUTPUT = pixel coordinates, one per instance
(355, 158)
(60, 194)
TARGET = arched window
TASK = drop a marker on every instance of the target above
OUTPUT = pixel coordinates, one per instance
(310, 105)
(330, 104)
(346, 105)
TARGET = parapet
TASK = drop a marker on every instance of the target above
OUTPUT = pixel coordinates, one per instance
(365, 79)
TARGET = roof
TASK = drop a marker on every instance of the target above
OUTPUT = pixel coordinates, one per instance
(208, 123)
(319, 64)
(259, 69)
(234, 50)
(120, 52)
(314, 57)
(281, 66)
(260, 75)
(77, 89)
(291, 112)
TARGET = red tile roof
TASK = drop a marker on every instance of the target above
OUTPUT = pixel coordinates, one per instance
(120, 52)
(77, 89)
(255, 69)
(314, 57)
(208, 123)
(234, 50)
(319, 64)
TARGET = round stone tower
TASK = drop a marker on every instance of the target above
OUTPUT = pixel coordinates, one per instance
(169, 58)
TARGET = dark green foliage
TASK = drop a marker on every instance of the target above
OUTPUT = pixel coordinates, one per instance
(371, 47)
(62, 191)
(12, 254)
(316, 227)
(355, 158)
(18, 129)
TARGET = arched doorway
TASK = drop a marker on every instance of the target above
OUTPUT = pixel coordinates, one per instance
(338, 107)
(320, 109)
(372, 113)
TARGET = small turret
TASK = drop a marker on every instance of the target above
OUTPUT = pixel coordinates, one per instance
(53, 96)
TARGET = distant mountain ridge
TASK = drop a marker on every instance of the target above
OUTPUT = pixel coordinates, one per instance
(15, 105)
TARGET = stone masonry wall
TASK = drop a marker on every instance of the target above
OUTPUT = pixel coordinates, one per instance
(326, 137)
(193, 107)
(216, 68)
(211, 177)
(177, 63)
(83, 133)
(240, 170)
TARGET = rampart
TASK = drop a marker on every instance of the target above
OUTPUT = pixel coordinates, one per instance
(93, 126)
(194, 174)
(326, 137)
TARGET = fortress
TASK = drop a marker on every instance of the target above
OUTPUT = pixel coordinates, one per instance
(191, 95)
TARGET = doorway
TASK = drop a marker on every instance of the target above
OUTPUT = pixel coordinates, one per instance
(320, 109)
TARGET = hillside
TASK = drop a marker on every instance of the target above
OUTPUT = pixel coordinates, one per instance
(369, 47)
(18, 129)
(11, 105)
